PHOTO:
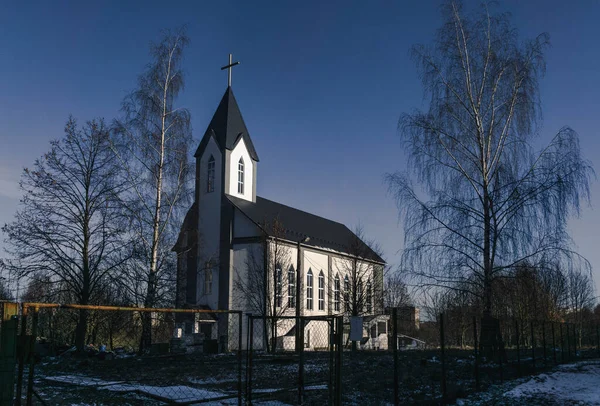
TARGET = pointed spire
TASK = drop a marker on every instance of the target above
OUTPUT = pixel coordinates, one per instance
(227, 126)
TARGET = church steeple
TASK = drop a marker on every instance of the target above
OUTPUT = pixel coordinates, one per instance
(227, 126)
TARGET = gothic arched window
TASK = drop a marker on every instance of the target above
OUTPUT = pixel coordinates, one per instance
(210, 175)
(346, 294)
(241, 176)
(291, 287)
(309, 290)
(321, 291)
(336, 293)
(278, 293)
(369, 297)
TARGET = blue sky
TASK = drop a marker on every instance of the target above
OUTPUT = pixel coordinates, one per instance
(321, 86)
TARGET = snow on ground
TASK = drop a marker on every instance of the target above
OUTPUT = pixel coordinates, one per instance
(578, 382)
(176, 394)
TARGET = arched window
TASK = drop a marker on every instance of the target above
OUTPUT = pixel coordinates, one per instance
(369, 297)
(360, 295)
(336, 293)
(309, 290)
(208, 281)
(291, 287)
(241, 176)
(321, 291)
(346, 294)
(210, 175)
(278, 292)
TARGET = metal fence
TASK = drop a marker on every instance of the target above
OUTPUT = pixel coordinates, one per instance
(291, 365)
(190, 356)
(199, 356)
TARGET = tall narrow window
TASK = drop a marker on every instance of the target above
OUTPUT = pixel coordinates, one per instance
(336, 293)
(241, 176)
(210, 175)
(291, 287)
(321, 291)
(346, 294)
(208, 282)
(369, 297)
(309, 290)
(360, 296)
(279, 277)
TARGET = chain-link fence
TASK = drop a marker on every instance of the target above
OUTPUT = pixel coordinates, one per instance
(128, 355)
(291, 365)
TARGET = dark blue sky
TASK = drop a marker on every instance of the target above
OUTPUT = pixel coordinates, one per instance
(321, 86)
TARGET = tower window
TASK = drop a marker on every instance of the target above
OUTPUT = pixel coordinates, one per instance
(309, 290)
(291, 287)
(241, 176)
(210, 177)
(208, 282)
(321, 291)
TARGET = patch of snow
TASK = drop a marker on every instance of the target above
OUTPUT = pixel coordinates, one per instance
(572, 382)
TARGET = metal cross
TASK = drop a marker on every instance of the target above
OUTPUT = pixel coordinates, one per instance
(228, 67)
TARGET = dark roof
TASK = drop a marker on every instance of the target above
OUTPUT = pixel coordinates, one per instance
(298, 224)
(227, 126)
(190, 225)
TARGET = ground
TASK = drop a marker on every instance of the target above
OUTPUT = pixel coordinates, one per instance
(367, 379)
(569, 384)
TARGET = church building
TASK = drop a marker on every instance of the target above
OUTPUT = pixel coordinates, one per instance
(240, 251)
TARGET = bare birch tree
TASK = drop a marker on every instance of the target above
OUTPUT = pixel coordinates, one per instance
(490, 200)
(67, 228)
(152, 143)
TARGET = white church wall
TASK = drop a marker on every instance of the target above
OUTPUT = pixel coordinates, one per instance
(209, 214)
(317, 262)
(240, 151)
(243, 226)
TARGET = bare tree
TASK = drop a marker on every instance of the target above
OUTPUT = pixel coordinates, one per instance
(360, 278)
(66, 229)
(395, 291)
(4, 291)
(268, 281)
(152, 143)
(490, 200)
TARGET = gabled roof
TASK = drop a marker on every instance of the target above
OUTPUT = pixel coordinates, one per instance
(190, 225)
(227, 126)
(298, 224)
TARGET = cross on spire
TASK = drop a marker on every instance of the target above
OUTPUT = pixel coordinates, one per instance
(228, 67)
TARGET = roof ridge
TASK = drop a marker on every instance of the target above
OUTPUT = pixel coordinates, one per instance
(302, 211)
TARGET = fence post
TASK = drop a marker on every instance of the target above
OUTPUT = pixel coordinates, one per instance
(598, 338)
(240, 340)
(339, 353)
(250, 351)
(553, 343)
(476, 353)
(8, 351)
(443, 359)
(544, 340)
(34, 324)
(331, 385)
(532, 345)
(395, 349)
(518, 347)
(568, 342)
(300, 326)
(575, 340)
(21, 356)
